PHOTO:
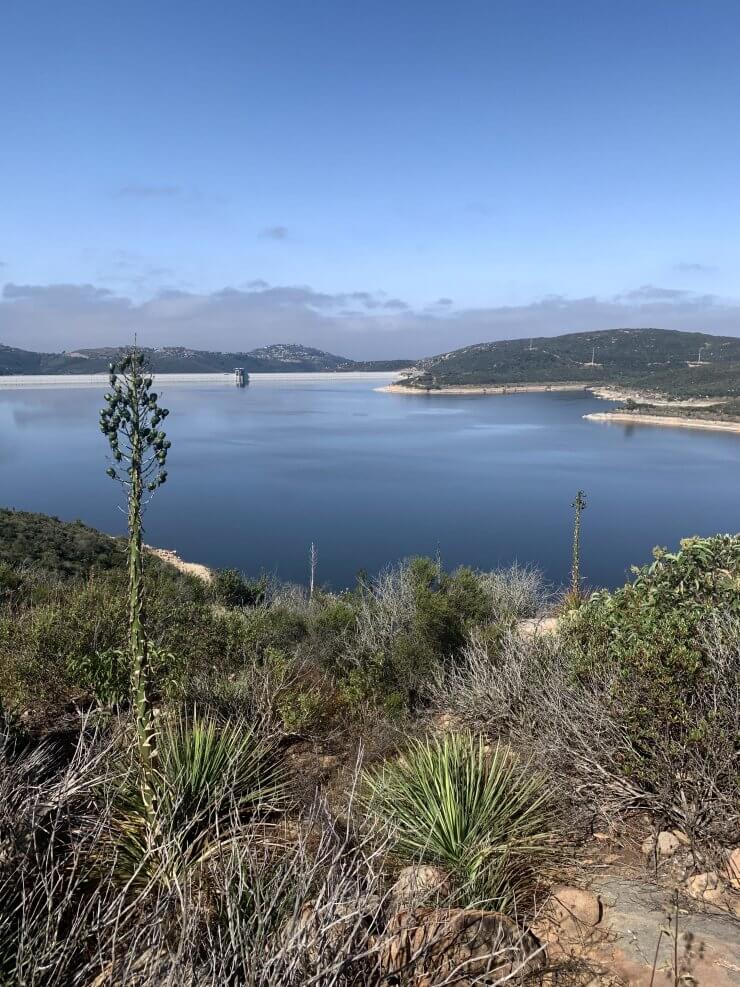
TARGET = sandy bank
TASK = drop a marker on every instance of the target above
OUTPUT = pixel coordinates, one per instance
(501, 389)
(648, 397)
(191, 568)
(627, 418)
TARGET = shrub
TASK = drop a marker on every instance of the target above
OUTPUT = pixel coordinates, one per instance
(514, 593)
(238, 919)
(578, 730)
(411, 620)
(651, 635)
(107, 674)
(480, 813)
(232, 589)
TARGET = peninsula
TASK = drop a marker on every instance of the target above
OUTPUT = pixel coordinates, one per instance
(663, 377)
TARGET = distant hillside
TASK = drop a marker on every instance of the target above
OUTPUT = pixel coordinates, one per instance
(656, 359)
(280, 357)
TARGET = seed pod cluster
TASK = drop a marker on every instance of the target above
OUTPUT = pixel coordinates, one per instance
(131, 421)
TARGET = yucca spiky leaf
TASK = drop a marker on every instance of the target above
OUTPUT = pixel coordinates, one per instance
(453, 802)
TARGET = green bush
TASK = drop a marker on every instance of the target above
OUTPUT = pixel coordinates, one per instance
(232, 589)
(50, 641)
(651, 633)
(412, 620)
(482, 815)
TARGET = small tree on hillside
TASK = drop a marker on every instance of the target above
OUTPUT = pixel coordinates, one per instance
(130, 420)
(579, 505)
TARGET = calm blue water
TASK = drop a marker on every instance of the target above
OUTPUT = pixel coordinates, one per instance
(257, 474)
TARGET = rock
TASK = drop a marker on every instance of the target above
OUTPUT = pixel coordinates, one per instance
(419, 885)
(733, 868)
(711, 889)
(667, 843)
(574, 909)
(707, 888)
(455, 946)
(698, 885)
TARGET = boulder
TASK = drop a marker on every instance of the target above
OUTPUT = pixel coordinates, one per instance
(666, 844)
(455, 946)
(700, 884)
(574, 910)
(417, 885)
(711, 889)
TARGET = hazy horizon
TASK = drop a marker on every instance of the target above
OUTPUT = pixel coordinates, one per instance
(383, 182)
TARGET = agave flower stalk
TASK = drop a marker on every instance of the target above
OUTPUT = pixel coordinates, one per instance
(130, 421)
(579, 505)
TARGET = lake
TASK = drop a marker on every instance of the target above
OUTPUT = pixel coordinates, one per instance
(257, 474)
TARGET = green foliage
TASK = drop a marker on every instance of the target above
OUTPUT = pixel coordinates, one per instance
(452, 802)
(422, 621)
(212, 777)
(279, 627)
(49, 638)
(55, 547)
(653, 359)
(107, 674)
(232, 589)
(651, 634)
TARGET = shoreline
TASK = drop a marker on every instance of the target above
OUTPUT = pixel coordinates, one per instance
(603, 391)
(19, 381)
(608, 393)
(627, 418)
(196, 569)
(492, 389)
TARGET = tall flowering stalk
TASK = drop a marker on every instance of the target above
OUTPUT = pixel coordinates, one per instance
(579, 505)
(131, 420)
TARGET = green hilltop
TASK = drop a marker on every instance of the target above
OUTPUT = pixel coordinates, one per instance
(681, 364)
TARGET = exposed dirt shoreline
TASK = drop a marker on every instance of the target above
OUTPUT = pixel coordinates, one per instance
(605, 392)
(497, 389)
(629, 418)
(191, 568)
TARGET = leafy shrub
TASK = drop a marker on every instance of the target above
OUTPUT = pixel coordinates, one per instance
(650, 633)
(279, 627)
(232, 589)
(480, 813)
(107, 674)
(579, 728)
(411, 619)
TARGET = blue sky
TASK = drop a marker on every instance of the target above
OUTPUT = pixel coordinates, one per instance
(377, 178)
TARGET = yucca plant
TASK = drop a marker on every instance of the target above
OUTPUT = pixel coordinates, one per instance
(131, 422)
(213, 778)
(479, 813)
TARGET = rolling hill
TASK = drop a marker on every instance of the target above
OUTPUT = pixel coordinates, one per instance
(661, 360)
(279, 357)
